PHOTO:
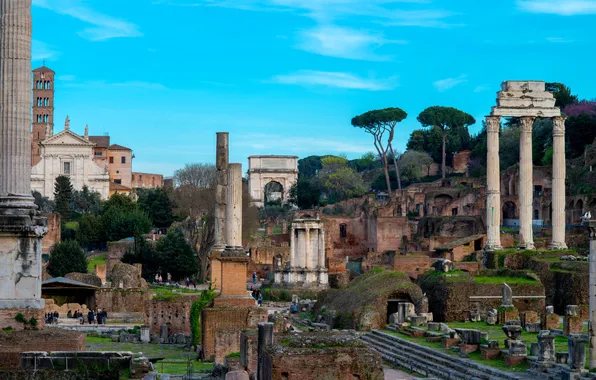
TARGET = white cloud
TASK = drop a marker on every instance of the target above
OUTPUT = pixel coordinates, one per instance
(481, 88)
(558, 40)
(421, 18)
(340, 42)
(41, 51)
(558, 7)
(335, 79)
(296, 144)
(102, 26)
(448, 83)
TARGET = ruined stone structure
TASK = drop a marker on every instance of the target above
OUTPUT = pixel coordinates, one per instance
(69, 154)
(146, 181)
(43, 110)
(527, 100)
(21, 227)
(271, 177)
(307, 256)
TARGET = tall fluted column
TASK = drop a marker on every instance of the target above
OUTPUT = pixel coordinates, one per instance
(526, 188)
(308, 249)
(234, 206)
(558, 218)
(221, 163)
(15, 100)
(293, 262)
(321, 251)
(493, 184)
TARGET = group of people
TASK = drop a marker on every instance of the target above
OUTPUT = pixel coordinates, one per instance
(257, 294)
(190, 282)
(95, 317)
(52, 317)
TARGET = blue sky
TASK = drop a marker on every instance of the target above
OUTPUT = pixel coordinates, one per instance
(287, 76)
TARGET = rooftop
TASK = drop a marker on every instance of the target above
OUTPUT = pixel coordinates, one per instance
(100, 141)
(63, 282)
(118, 187)
(118, 147)
(44, 69)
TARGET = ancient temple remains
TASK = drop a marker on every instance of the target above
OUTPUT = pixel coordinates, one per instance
(526, 100)
(21, 227)
(307, 256)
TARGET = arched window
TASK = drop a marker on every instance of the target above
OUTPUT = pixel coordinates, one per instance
(46, 102)
(45, 118)
(39, 102)
(39, 118)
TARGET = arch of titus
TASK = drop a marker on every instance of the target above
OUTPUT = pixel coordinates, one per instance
(526, 100)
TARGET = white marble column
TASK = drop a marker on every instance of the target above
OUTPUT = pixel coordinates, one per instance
(234, 206)
(526, 184)
(592, 294)
(321, 251)
(493, 184)
(308, 248)
(15, 100)
(221, 163)
(292, 246)
(558, 196)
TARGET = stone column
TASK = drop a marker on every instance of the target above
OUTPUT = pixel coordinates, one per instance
(292, 246)
(592, 293)
(221, 163)
(234, 206)
(526, 187)
(321, 251)
(493, 184)
(265, 339)
(559, 169)
(308, 249)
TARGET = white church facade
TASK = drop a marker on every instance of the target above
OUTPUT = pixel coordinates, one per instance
(69, 154)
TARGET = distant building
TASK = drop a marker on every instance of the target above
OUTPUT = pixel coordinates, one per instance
(120, 165)
(146, 181)
(69, 154)
(43, 110)
(100, 151)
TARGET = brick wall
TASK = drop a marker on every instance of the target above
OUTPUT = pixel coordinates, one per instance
(122, 300)
(12, 346)
(216, 274)
(229, 319)
(390, 233)
(7, 317)
(411, 263)
(54, 233)
(249, 356)
(175, 314)
(233, 277)
(472, 267)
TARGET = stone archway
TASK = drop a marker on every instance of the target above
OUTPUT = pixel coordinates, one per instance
(273, 192)
(264, 170)
(509, 210)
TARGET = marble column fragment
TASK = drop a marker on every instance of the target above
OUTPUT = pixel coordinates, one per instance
(221, 163)
(234, 206)
(265, 338)
(493, 184)
(15, 100)
(558, 195)
(526, 187)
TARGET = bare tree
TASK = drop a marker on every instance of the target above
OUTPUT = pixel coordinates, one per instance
(198, 175)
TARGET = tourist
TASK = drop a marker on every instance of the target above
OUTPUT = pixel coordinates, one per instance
(260, 299)
(187, 282)
(90, 317)
(104, 316)
(69, 314)
(254, 277)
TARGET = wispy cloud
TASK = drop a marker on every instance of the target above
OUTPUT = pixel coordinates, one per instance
(42, 51)
(448, 83)
(422, 18)
(347, 43)
(558, 40)
(335, 79)
(481, 88)
(102, 26)
(559, 7)
(66, 78)
(296, 144)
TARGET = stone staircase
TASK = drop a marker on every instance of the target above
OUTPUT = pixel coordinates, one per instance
(433, 363)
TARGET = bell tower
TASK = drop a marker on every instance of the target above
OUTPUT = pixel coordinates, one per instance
(43, 110)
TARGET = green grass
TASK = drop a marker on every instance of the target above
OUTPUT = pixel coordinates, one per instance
(166, 293)
(101, 259)
(71, 225)
(504, 279)
(175, 360)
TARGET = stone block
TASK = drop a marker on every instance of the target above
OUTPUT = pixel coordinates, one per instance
(517, 347)
(450, 342)
(417, 320)
(469, 336)
(528, 317)
(507, 314)
(433, 326)
(523, 86)
(493, 317)
(550, 321)
(428, 316)
(533, 327)
(237, 375)
(550, 310)
(534, 349)
(572, 325)
(514, 360)
(572, 311)
(490, 353)
(434, 339)
(465, 349)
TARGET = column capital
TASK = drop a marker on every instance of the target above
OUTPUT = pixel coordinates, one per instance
(493, 124)
(526, 123)
(559, 125)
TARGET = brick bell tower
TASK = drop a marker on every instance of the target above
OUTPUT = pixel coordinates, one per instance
(43, 110)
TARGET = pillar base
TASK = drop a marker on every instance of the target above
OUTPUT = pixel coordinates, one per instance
(526, 246)
(557, 246)
(492, 247)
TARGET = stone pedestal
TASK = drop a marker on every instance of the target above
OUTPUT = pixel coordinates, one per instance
(265, 339)
(550, 321)
(233, 280)
(507, 314)
(145, 334)
(493, 185)
(558, 196)
(577, 353)
(526, 187)
(572, 325)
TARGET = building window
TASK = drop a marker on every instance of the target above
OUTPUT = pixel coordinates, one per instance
(118, 181)
(343, 231)
(47, 85)
(39, 102)
(98, 154)
(454, 211)
(123, 159)
(140, 177)
(46, 102)
(39, 118)
(45, 118)
(67, 168)
(111, 160)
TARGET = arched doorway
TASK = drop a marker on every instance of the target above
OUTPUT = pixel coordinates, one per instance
(274, 192)
(509, 210)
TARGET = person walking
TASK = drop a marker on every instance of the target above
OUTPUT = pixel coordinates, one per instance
(104, 314)
(90, 317)
(254, 277)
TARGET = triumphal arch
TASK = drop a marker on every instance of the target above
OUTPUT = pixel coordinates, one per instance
(526, 100)
(271, 177)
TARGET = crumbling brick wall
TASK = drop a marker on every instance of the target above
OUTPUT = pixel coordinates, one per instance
(175, 314)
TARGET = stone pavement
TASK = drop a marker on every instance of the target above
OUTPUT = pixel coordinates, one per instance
(395, 374)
